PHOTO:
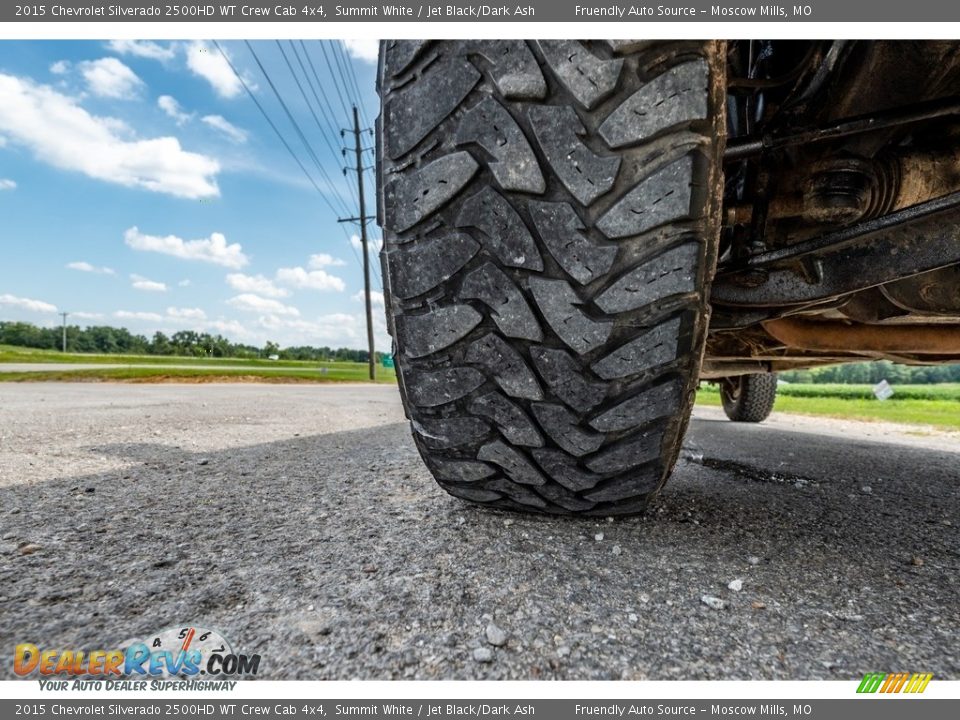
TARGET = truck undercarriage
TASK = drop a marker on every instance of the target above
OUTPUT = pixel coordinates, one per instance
(577, 233)
(841, 206)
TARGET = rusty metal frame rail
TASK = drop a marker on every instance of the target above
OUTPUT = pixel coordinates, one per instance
(748, 146)
(911, 241)
(849, 235)
(835, 336)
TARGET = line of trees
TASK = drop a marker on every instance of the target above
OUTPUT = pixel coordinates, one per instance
(185, 343)
(874, 372)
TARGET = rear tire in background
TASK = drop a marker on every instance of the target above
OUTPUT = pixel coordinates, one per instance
(550, 213)
(749, 398)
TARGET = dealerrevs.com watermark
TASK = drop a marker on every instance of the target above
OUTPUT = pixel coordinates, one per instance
(177, 658)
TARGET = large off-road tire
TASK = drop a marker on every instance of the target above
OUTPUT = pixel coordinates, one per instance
(550, 213)
(749, 398)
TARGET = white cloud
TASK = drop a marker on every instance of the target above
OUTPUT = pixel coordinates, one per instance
(366, 50)
(184, 283)
(310, 279)
(66, 136)
(334, 329)
(255, 284)
(207, 62)
(374, 244)
(218, 122)
(193, 318)
(171, 107)
(60, 67)
(212, 250)
(322, 260)
(337, 319)
(87, 267)
(265, 322)
(376, 298)
(110, 78)
(7, 184)
(141, 283)
(27, 303)
(296, 331)
(87, 315)
(148, 316)
(229, 328)
(248, 302)
(142, 48)
(186, 313)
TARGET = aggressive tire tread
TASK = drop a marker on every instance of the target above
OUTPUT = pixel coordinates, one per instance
(753, 402)
(550, 219)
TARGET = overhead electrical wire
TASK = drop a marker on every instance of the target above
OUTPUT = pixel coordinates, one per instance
(295, 124)
(336, 85)
(346, 92)
(290, 150)
(306, 100)
(344, 210)
(276, 130)
(326, 99)
(350, 88)
(317, 87)
(332, 125)
(349, 117)
(346, 69)
(358, 95)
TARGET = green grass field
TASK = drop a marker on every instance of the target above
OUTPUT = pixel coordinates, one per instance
(936, 405)
(200, 370)
(337, 372)
(12, 354)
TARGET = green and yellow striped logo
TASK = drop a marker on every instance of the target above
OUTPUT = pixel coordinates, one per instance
(894, 682)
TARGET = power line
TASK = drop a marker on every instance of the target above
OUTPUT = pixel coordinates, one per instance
(64, 314)
(310, 108)
(319, 88)
(340, 95)
(276, 130)
(347, 92)
(332, 125)
(284, 142)
(346, 75)
(357, 100)
(352, 75)
(362, 219)
(333, 77)
(307, 101)
(326, 100)
(293, 121)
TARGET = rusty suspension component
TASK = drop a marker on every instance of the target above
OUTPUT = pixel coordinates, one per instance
(835, 336)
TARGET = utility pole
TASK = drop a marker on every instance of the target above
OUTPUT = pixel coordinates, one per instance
(362, 220)
(64, 314)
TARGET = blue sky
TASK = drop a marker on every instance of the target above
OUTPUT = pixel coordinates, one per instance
(141, 187)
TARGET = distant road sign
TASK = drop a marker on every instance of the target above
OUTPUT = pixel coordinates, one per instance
(882, 390)
(386, 361)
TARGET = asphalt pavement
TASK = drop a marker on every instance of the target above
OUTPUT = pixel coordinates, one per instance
(300, 523)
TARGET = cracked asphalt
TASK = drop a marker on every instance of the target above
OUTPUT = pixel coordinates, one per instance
(299, 521)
